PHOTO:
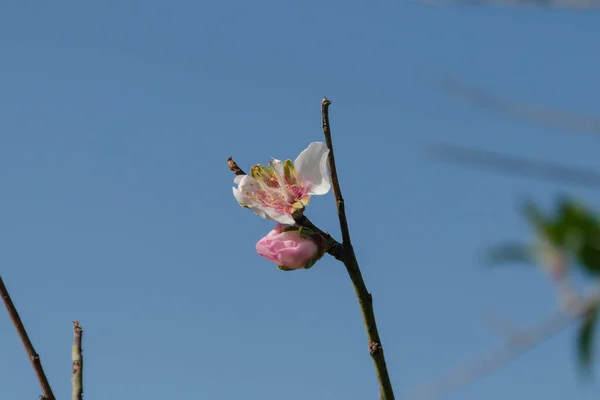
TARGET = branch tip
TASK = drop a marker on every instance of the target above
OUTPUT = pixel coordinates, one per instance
(233, 167)
(349, 259)
(77, 363)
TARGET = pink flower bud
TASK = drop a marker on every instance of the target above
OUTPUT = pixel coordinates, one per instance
(289, 249)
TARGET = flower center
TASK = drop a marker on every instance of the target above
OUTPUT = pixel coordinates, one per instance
(281, 191)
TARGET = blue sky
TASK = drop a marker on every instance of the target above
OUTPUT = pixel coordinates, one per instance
(116, 121)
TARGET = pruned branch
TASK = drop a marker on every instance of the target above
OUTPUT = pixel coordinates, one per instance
(31, 353)
(77, 362)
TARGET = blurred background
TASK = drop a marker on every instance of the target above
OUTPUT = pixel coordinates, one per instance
(116, 120)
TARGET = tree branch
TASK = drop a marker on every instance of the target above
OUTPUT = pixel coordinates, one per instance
(553, 118)
(578, 5)
(344, 252)
(33, 356)
(77, 358)
(365, 299)
(516, 345)
(516, 166)
(335, 184)
(234, 167)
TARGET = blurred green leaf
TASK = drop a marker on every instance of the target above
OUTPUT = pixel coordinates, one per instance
(589, 255)
(582, 229)
(575, 218)
(573, 228)
(585, 348)
(508, 253)
(534, 215)
(566, 220)
(553, 230)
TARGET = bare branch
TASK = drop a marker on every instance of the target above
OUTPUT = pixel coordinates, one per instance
(335, 184)
(234, 167)
(31, 353)
(77, 361)
(579, 5)
(515, 166)
(365, 299)
(345, 253)
(512, 349)
(557, 119)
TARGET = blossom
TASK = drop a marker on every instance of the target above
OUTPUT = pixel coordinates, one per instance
(291, 247)
(275, 191)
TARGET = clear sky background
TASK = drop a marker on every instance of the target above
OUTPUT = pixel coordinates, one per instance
(116, 120)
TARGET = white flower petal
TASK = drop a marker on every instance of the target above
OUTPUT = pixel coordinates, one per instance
(279, 217)
(311, 166)
(237, 193)
(261, 212)
(249, 185)
(246, 184)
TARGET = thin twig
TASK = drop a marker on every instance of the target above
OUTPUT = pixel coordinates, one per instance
(33, 356)
(77, 358)
(365, 299)
(557, 119)
(234, 167)
(335, 184)
(516, 166)
(517, 345)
